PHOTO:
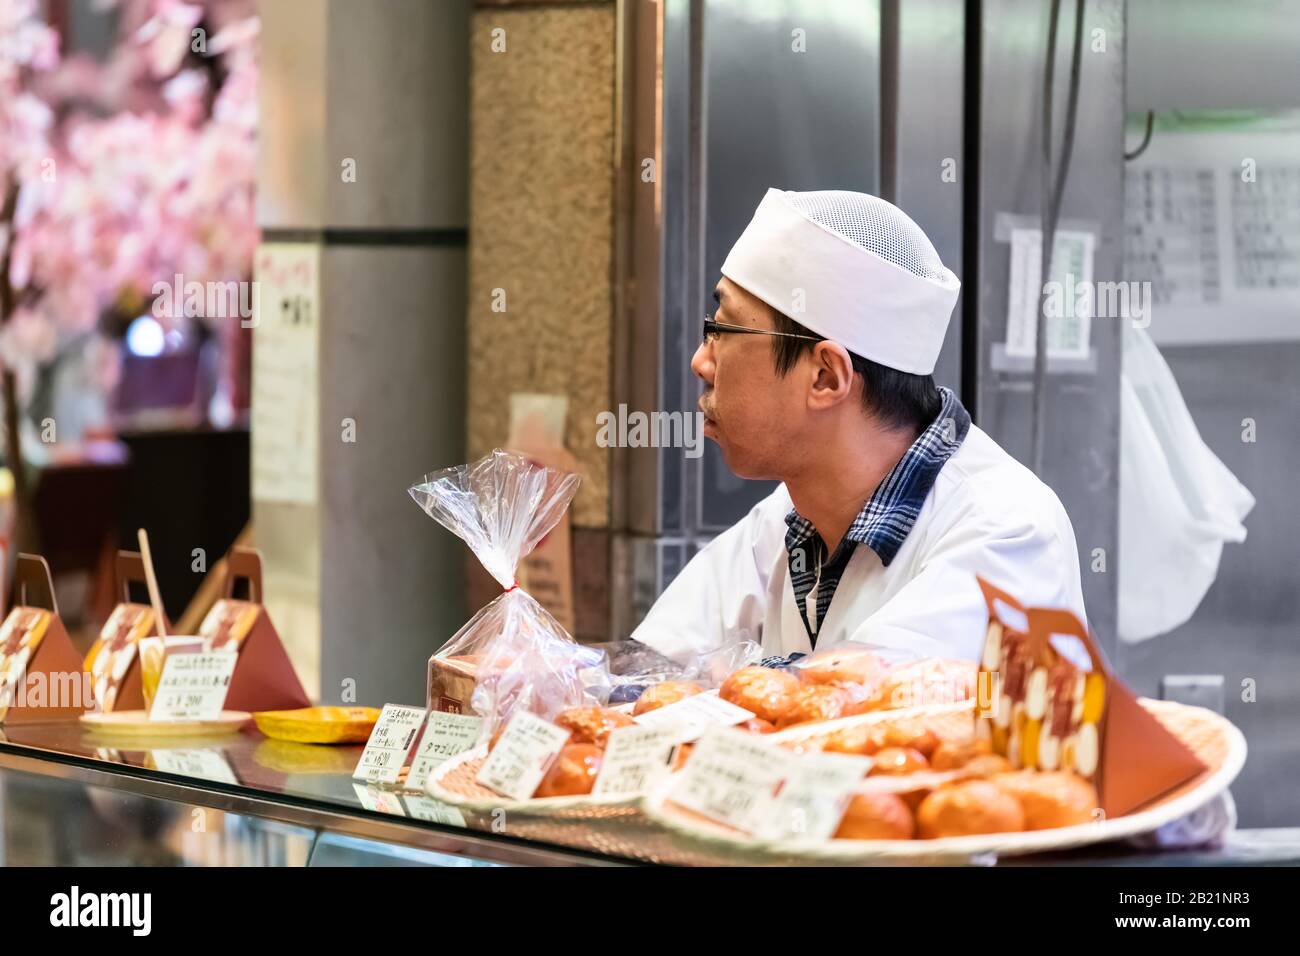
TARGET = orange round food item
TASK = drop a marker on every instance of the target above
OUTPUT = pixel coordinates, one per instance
(876, 816)
(952, 754)
(844, 665)
(591, 725)
(764, 691)
(573, 773)
(661, 695)
(897, 761)
(969, 807)
(1055, 798)
(813, 703)
(862, 739)
(986, 765)
(932, 680)
(921, 739)
(757, 725)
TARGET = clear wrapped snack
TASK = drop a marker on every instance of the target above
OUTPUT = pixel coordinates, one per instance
(512, 653)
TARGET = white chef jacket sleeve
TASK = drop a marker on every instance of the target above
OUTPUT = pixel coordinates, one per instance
(1026, 550)
(721, 595)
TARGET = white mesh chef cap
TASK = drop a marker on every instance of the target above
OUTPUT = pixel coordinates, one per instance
(852, 268)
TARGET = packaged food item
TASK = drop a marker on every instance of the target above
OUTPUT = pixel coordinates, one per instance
(518, 655)
(967, 808)
(661, 695)
(592, 725)
(1050, 799)
(898, 761)
(573, 773)
(766, 693)
(876, 816)
(844, 664)
(815, 702)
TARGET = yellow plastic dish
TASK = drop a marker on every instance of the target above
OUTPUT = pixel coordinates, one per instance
(319, 725)
(286, 756)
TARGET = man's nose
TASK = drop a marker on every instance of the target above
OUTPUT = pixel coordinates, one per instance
(702, 362)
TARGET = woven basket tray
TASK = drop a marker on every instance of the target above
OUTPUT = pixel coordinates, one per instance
(1218, 744)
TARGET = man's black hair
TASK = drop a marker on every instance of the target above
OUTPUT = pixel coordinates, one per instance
(899, 399)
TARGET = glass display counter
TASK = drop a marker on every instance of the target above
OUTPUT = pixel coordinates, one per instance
(71, 798)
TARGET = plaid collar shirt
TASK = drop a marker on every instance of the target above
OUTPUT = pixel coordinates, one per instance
(884, 521)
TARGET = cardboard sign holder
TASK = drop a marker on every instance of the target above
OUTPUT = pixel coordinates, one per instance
(264, 678)
(128, 569)
(55, 657)
(1138, 759)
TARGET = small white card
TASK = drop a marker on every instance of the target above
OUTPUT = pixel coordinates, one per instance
(435, 811)
(522, 756)
(813, 798)
(379, 801)
(636, 758)
(690, 718)
(732, 778)
(389, 743)
(193, 686)
(203, 764)
(445, 735)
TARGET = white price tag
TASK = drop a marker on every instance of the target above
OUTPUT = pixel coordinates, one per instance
(204, 764)
(690, 718)
(379, 801)
(193, 686)
(522, 756)
(389, 743)
(813, 798)
(435, 811)
(445, 736)
(732, 777)
(636, 758)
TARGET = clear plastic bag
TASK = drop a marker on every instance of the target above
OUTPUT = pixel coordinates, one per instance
(888, 678)
(512, 653)
(634, 666)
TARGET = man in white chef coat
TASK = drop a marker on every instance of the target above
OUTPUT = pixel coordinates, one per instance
(817, 365)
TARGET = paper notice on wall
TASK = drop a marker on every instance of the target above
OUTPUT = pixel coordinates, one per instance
(537, 431)
(286, 345)
(1212, 227)
(1069, 292)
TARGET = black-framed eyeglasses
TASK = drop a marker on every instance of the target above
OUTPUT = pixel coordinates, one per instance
(713, 329)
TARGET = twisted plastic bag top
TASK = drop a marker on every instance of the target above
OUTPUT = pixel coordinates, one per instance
(501, 505)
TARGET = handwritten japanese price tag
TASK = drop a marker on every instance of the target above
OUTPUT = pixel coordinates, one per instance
(690, 718)
(193, 686)
(389, 743)
(732, 778)
(636, 758)
(813, 798)
(445, 736)
(522, 756)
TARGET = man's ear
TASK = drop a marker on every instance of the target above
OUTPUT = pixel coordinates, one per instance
(832, 376)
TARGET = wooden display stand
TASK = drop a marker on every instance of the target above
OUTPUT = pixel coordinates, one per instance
(264, 678)
(1137, 759)
(125, 691)
(33, 627)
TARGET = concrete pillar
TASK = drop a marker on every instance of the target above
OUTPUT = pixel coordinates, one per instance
(362, 176)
